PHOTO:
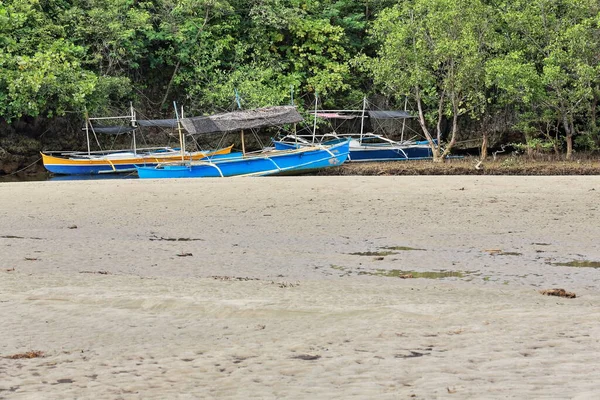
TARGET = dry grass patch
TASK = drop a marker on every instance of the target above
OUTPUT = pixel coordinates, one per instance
(559, 293)
(28, 354)
(466, 166)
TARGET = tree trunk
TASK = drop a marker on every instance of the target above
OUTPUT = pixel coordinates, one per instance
(454, 131)
(593, 110)
(568, 136)
(569, 140)
(435, 149)
(484, 146)
(437, 157)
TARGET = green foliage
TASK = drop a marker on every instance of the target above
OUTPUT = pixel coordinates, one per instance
(257, 85)
(434, 51)
(587, 142)
(550, 68)
(113, 31)
(41, 72)
(452, 58)
(536, 145)
(301, 39)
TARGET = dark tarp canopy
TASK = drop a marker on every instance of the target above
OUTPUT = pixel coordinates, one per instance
(350, 114)
(244, 119)
(111, 130)
(161, 123)
(389, 114)
(225, 122)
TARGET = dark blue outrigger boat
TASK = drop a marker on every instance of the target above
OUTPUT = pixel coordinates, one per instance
(368, 148)
(364, 146)
(261, 163)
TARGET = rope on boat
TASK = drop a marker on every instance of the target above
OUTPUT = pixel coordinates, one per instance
(275, 171)
(23, 169)
(274, 163)
(112, 165)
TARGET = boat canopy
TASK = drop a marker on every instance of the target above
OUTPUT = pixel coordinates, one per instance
(351, 114)
(388, 114)
(112, 130)
(161, 123)
(243, 119)
(334, 115)
(224, 122)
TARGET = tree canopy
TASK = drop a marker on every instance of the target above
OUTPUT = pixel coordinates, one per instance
(455, 60)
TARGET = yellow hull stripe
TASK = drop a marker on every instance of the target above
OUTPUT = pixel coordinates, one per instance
(52, 160)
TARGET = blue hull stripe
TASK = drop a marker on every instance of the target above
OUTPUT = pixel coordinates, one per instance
(375, 153)
(88, 169)
(410, 153)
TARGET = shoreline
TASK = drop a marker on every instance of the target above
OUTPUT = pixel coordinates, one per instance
(467, 166)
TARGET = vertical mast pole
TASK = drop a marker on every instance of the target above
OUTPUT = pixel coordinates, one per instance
(183, 136)
(404, 120)
(362, 119)
(315, 121)
(294, 126)
(179, 130)
(237, 100)
(243, 144)
(133, 126)
(87, 131)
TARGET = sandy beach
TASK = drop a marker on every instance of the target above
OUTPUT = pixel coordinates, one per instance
(300, 288)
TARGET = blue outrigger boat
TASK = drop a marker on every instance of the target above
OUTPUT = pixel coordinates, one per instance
(270, 162)
(263, 163)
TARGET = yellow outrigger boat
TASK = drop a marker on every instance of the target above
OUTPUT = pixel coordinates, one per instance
(119, 161)
(115, 161)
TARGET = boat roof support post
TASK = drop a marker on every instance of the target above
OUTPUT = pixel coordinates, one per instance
(362, 119)
(87, 130)
(133, 126)
(404, 119)
(243, 145)
(184, 144)
(292, 103)
(315, 119)
(180, 132)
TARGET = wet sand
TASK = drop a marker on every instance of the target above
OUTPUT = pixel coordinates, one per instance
(290, 288)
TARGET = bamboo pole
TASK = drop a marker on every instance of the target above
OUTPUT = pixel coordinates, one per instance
(243, 145)
(315, 121)
(133, 126)
(180, 133)
(362, 119)
(87, 131)
(184, 146)
(351, 111)
(101, 118)
(404, 119)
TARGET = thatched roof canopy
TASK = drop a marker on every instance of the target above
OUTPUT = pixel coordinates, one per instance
(243, 119)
